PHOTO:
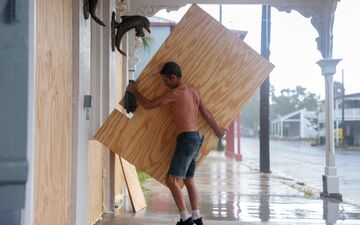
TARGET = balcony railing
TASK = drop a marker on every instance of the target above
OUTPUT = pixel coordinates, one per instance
(350, 114)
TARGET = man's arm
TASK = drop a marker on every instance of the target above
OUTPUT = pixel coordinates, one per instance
(219, 131)
(147, 103)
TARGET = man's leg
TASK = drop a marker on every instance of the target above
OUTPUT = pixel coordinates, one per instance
(193, 195)
(194, 200)
(172, 184)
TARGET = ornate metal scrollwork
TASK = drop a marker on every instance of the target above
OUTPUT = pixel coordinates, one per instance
(322, 19)
(150, 10)
(89, 8)
(127, 23)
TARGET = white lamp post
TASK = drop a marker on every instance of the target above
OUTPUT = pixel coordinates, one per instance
(330, 179)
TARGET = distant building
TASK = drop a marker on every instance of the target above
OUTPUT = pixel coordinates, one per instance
(295, 125)
(160, 30)
(351, 119)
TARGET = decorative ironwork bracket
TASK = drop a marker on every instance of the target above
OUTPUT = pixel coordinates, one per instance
(89, 8)
(322, 19)
(118, 30)
(321, 13)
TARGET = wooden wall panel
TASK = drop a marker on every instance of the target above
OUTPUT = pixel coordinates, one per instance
(54, 107)
(95, 180)
(225, 70)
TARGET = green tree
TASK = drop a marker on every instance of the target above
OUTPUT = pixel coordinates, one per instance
(291, 100)
(288, 101)
(249, 116)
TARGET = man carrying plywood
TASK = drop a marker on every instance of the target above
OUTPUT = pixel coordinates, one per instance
(224, 69)
(185, 102)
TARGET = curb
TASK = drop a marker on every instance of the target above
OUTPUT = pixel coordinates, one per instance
(297, 184)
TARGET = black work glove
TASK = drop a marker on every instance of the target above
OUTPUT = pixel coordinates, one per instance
(130, 102)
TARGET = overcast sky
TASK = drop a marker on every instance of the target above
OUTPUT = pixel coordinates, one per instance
(293, 46)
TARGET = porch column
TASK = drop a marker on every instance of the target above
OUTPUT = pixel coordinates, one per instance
(330, 179)
(264, 94)
(132, 59)
(238, 155)
(230, 141)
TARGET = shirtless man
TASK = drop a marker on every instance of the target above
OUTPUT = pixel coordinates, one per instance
(185, 102)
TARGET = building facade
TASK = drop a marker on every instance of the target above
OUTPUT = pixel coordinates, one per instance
(351, 124)
(296, 125)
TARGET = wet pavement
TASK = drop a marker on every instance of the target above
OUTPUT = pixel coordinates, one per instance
(304, 163)
(234, 192)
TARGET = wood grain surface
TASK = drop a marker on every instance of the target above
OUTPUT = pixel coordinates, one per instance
(136, 194)
(119, 180)
(53, 201)
(95, 181)
(224, 69)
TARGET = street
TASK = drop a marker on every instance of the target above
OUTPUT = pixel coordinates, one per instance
(304, 163)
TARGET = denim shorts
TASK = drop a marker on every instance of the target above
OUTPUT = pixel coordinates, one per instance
(183, 163)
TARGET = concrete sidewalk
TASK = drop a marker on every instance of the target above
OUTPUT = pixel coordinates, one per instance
(236, 193)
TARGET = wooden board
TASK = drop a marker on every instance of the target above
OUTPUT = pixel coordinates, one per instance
(225, 70)
(118, 178)
(95, 181)
(136, 194)
(53, 201)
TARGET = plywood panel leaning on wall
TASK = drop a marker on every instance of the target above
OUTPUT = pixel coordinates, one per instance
(133, 184)
(118, 182)
(95, 181)
(224, 69)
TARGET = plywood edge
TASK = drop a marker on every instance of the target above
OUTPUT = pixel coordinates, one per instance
(136, 193)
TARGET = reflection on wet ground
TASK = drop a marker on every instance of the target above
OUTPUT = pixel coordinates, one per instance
(233, 192)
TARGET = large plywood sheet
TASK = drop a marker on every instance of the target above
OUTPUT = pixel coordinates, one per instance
(225, 70)
(136, 194)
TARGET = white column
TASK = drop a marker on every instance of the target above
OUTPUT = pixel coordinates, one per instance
(301, 123)
(279, 128)
(330, 179)
(330, 211)
(28, 211)
(133, 60)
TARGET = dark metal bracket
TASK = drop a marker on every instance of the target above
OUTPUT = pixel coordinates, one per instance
(89, 8)
(86, 8)
(127, 23)
(10, 12)
(113, 23)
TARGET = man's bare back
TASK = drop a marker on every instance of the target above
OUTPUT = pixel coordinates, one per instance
(184, 101)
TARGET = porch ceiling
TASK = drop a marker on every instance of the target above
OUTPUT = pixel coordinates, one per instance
(321, 13)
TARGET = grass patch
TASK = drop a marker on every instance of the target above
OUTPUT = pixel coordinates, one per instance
(309, 193)
(309, 139)
(142, 177)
